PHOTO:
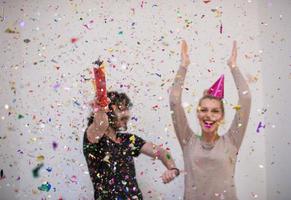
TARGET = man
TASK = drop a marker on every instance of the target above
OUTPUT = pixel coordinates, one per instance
(109, 153)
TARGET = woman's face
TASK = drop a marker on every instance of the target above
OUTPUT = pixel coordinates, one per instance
(210, 115)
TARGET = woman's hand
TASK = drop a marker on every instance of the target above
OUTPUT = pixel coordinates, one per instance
(185, 61)
(232, 60)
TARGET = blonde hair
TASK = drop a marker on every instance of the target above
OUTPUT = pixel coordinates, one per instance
(207, 96)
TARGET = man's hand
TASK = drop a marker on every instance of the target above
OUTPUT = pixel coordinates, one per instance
(101, 120)
(169, 175)
(185, 61)
(100, 123)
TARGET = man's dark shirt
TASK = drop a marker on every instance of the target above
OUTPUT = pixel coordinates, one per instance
(111, 166)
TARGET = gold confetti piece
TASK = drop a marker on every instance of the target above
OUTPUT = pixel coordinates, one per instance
(252, 78)
(9, 30)
(237, 107)
(189, 108)
(40, 158)
(217, 12)
(132, 139)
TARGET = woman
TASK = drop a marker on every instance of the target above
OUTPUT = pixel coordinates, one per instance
(210, 159)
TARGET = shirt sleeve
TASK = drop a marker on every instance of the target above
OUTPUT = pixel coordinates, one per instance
(239, 124)
(182, 128)
(135, 145)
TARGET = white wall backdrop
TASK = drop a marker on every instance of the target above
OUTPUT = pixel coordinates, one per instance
(276, 76)
(45, 88)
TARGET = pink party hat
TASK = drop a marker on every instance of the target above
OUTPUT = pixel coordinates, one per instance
(217, 89)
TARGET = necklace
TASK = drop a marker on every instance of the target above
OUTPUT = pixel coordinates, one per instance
(207, 146)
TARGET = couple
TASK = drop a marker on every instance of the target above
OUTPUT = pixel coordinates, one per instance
(209, 160)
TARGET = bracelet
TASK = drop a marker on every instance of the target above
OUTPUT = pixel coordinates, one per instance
(177, 170)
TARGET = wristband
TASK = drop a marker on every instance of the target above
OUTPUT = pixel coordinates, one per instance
(177, 170)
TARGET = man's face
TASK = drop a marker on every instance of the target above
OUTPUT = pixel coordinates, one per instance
(122, 116)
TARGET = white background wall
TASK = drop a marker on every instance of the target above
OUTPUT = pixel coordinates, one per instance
(276, 47)
(43, 80)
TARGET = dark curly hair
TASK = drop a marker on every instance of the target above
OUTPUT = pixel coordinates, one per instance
(117, 99)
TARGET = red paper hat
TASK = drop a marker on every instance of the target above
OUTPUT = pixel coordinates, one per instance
(217, 89)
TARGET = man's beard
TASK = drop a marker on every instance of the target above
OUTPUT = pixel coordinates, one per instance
(112, 123)
(116, 128)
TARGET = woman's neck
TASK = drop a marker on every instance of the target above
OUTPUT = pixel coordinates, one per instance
(209, 137)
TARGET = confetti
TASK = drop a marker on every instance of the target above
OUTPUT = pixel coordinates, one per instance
(220, 28)
(254, 195)
(40, 158)
(245, 92)
(2, 176)
(217, 12)
(26, 40)
(260, 125)
(111, 182)
(73, 179)
(134, 118)
(206, 1)
(159, 75)
(35, 171)
(49, 169)
(45, 187)
(89, 25)
(22, 24)
(74, 40)
(56, 86)
(20, 116)
(106, 158)
(11, 31)
(55, 145)
(237, 107)
(132, 139)
(76, 103)
(155, 107)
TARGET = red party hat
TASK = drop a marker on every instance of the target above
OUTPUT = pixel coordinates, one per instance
(217, 89)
